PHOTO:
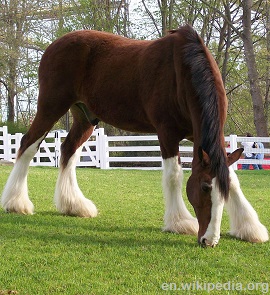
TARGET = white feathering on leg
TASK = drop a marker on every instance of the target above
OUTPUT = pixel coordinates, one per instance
(15, 195)
(68, 197)
(177, 218)
(244, 221)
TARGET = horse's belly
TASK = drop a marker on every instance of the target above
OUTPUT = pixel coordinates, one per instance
(124, 117)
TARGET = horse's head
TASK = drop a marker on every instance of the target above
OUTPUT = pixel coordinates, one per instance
(205, 197)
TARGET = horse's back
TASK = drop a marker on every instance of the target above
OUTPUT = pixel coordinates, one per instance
(78, 45)
(122, 81)
(81, 54)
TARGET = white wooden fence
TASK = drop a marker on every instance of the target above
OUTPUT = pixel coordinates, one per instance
(106, 152)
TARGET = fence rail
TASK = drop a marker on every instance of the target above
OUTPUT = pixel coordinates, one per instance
(107, 152)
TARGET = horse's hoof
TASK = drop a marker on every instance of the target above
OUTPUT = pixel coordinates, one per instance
(204, 243)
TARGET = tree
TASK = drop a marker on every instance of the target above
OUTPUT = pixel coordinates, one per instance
(240, 20)
(255, 91)
(27, 27)
(17, 20)
(103, 15)
(265, 11)
(13, 36)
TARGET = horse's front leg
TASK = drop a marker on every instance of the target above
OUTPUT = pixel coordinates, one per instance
(212, 234)
(244, 221)
(177, 217)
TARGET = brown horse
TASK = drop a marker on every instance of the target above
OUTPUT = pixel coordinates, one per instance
(172, 87)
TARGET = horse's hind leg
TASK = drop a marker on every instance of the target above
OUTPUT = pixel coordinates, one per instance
(15, 195)
(68, 197)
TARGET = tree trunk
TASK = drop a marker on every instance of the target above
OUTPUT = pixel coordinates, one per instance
(164, 11)
(228, 42)
(11, 106)
(14, 41)
(258, 108)
(267, 78)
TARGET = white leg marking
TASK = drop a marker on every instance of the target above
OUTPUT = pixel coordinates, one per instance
(15, 195)
(68, 197)
(177, 217)
(212, 234)
(244, 221)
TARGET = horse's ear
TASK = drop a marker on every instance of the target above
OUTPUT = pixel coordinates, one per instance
(203, 156)
(234, 156)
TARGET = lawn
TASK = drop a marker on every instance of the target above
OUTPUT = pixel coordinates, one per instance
(123, 250)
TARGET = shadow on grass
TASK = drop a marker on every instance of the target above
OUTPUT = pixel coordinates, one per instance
(52, 227)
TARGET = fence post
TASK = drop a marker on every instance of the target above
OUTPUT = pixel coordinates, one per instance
(102, 149)
(57, 148)
(233, 145)
(18, 138)
(6, 143)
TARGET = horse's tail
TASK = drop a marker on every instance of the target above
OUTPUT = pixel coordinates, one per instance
(213, 103)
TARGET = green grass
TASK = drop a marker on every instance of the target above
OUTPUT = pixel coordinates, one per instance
(123, 250)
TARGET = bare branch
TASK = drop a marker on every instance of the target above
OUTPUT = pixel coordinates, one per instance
(152, 17)
(239, 33)
(4, 83)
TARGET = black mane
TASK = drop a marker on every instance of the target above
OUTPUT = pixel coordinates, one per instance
(204, 84)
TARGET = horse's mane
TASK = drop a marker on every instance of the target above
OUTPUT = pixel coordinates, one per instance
(203, 81)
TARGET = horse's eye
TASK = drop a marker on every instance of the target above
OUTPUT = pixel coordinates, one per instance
(206, 187)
